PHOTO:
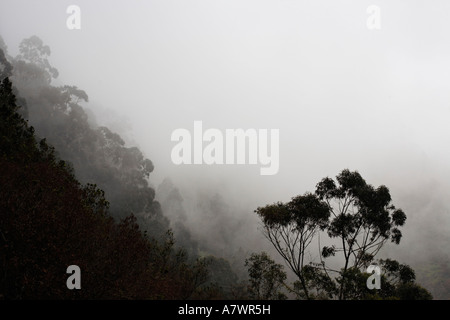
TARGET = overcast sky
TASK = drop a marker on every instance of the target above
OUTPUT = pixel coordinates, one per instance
(342, 96)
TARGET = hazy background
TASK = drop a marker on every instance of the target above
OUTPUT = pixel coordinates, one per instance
(343, 96)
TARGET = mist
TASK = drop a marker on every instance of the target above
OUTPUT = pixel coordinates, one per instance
(340, 94)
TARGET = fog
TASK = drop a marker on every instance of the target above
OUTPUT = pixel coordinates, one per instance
(341, 95)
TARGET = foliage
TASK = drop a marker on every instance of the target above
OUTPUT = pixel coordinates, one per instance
(172, 205)
(48, 221)
(291, 227)
(266, 277)
(222, 282)
(362, 218)
(97, 155)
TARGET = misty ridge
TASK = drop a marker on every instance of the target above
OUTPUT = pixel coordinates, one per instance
(215, 235)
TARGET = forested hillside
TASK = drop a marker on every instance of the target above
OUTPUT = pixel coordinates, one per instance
(74, 193)
(114, 180)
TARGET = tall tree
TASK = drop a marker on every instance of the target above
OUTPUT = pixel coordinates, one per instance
(356, 216)
(291, 227)
(362, 218)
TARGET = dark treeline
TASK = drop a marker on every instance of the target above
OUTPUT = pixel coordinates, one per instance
(95, 209)
(49, 221)
(73, 193)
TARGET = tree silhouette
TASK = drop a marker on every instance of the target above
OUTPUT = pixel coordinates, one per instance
(363, 219)
(358, 215)
(291, 227)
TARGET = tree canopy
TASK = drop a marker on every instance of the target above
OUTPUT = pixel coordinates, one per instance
(49, 221)
(358, 220)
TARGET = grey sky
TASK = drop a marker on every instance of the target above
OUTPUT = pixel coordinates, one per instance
(342, 96)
